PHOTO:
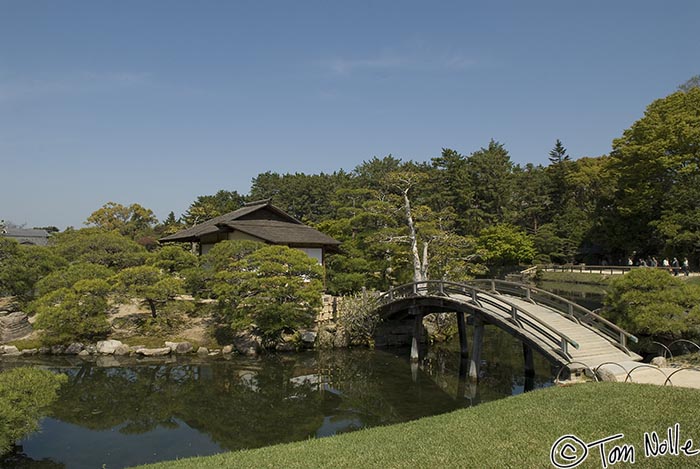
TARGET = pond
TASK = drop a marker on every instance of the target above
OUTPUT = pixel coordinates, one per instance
(117, 415)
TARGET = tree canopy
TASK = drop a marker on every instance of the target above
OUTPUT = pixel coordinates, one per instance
(273, 288)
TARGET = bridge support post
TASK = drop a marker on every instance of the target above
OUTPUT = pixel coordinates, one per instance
(529, 361)
(462, 329)
(417, 336)
(476, 348)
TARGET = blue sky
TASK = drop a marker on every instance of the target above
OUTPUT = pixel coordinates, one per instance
(157, 102)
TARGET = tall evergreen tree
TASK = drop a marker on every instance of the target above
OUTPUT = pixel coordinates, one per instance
(490, 172)
(558, 153)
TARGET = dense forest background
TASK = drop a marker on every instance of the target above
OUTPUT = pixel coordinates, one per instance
(459, 215)
(481, 210)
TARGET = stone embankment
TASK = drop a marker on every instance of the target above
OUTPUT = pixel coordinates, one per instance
(244, 343)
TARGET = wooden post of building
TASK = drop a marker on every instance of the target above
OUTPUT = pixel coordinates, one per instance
(529, 361)
(417, 335)
(476, 348)
(462, 329)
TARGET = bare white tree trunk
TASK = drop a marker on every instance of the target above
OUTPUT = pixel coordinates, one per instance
(417, 264)
(424, 262)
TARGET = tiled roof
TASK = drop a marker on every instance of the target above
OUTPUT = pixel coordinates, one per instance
(27, 236)
(279, 232)
(280, 228)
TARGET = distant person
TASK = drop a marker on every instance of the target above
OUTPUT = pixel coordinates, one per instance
(630, 262)
(666, 265)
(686, 267)
(675, 266)
(654, 262)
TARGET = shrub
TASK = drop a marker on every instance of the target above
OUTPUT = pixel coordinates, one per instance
(24, 394)
(173, 259)
(21, 267)
(93, 245)
(73, 314)
(68, 276)
(650, 301)
(358, 317)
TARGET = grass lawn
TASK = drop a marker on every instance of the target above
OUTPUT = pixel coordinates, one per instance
(575, 277)
(516, 432)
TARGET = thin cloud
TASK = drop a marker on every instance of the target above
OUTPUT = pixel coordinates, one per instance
(415, 62)
(344, 66)
(80, 83)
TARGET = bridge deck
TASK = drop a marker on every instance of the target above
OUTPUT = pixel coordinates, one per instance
(593, 348)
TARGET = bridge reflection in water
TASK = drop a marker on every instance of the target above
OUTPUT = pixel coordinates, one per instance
(561, 330)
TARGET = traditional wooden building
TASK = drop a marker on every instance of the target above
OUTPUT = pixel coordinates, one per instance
(258, 221)
(25, 236)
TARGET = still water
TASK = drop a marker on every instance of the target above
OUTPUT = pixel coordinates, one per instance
(116, 415)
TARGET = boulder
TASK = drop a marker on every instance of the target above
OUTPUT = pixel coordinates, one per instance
(606, 374)
(247, 342)
(84, 353)
(122, 350)
(308, 337)
(74, 349)
(91, 349)
(285, 346)
(9, 350)
(30, 351)
(202, 351)
(58, 349)
(659, 361)
(44, 350)
(154, 352)
(107, 347)
(227, 350)
(14, 326)
(180, 347)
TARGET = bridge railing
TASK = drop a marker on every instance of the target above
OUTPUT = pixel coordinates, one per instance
(593, 269)
(577, 313)
(478, 296)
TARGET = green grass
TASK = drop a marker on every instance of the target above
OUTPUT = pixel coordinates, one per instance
(575, 277)
(692, 280)
(23, 344)
(515, 432)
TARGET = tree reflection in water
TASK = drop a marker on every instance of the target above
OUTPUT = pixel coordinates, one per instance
(250, 402)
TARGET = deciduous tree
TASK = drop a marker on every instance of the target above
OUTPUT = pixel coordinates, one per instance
(133, 221)
(657, 162)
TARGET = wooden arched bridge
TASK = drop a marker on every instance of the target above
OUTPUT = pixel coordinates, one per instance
(559, 329)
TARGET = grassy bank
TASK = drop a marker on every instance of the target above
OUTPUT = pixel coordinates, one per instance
(513, 432)
(575, 277)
